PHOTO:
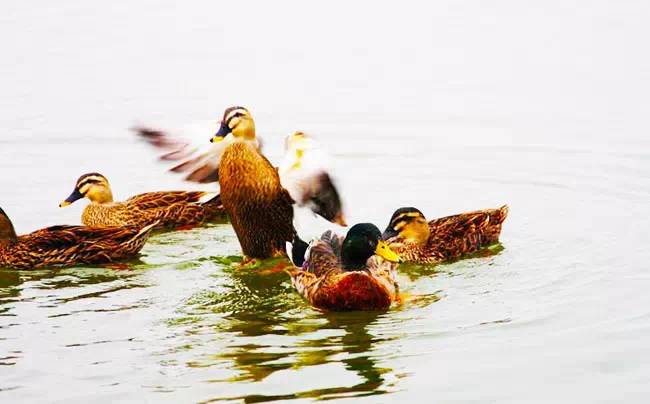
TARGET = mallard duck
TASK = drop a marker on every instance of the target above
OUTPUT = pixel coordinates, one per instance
(68, 245)
(168, 208)
(444, 239)
(337, 274)
(257, 196)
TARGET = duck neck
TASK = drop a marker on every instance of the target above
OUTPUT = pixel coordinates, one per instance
(101, 196)
(354, 258)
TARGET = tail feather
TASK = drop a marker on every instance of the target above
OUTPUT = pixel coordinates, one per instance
(210, 198)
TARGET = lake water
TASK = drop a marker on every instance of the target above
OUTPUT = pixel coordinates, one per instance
(449, 107)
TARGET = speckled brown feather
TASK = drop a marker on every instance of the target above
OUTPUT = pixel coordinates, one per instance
(452, 237)
(72, 245)
(325, 285)
(260, 210)
(170, 209)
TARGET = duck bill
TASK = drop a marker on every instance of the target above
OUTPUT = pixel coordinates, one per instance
(384, 251)
(74, 196)
(223, 131)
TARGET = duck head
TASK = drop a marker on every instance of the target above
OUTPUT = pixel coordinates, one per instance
(407, 225)
(238, 122)
(93, 186)
(362, 242)
(7, 232)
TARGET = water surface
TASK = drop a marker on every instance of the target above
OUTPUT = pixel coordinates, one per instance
(454, 107)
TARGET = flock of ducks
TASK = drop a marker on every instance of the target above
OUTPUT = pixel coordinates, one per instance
(332, 272)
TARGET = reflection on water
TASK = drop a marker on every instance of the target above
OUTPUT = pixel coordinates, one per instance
(268, 330)
(241, 332)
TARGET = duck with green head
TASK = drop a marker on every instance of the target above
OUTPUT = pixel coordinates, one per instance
(357, 272)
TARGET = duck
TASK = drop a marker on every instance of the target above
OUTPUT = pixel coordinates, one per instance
(354, 273)
(68, 245)
(445, 239)
(170, 209)
(258, 197)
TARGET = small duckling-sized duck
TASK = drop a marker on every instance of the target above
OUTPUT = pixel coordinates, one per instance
(444, 239)
(257, 196)
(171, 209)
(357, 272)
(68, 245)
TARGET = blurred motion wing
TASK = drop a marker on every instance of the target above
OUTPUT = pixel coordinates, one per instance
(304, 173)
(189, 150)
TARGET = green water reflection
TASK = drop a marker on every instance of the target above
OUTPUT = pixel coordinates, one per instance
(270, 329)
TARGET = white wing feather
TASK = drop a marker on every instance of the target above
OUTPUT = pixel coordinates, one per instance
(189, 149)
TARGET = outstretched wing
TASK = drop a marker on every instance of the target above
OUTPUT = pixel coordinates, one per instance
(304, 173)
(190, 151)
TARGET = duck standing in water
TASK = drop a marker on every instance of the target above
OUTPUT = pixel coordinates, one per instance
(444, 239)
(68, 245)
(357, 272)
(258, 201)
(171, 209)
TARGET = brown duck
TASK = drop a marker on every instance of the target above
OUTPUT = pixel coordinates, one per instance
(259, 204)
(171, 209)
(444, 239)
(68, 245)
(337, 274)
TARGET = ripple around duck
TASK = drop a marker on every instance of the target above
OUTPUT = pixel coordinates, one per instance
(252, 328)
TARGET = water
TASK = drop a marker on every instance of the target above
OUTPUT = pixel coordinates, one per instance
(454, 107)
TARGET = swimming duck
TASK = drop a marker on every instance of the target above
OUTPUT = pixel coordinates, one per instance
(357, 272)
(168, 208)
(257, 197)
(68, 245)
(444, 239)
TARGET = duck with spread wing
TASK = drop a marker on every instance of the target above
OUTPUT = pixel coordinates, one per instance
(257, 196)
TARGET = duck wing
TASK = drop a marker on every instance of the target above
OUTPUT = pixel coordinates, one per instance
(456, 235)
(305, 174)
(152, 200)
(323, 255)
(65, 238)
(189, 150)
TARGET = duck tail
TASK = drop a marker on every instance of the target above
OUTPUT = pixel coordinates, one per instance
(213, 206)
(296, 250)
(503, 213)
(210, 198)
(491, 227)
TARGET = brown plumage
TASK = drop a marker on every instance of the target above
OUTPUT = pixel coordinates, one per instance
(259, 208)
(339, 274)
(170, 209)
(257, 198)
(444, 239)
(68, 245)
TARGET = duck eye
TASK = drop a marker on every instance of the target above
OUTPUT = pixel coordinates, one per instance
(236, 115)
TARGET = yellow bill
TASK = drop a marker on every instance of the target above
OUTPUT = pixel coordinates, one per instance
(384, 251)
